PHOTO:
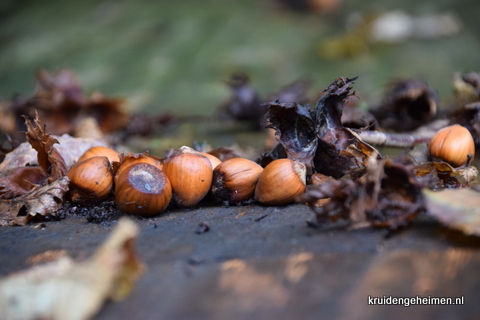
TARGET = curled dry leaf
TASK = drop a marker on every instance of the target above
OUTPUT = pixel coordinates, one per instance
(408, 104)
(318, 138)
(48, 157)
(386, 196)
(457, 209)
(65, 289)
(41, 201)
(295, 130)
(340, 151)
(69, 147)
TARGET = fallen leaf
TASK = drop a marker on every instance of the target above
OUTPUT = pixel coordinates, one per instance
(42, 201)
(408, 104)
(386, 196)
(294, 129)
(48, 157)
(20, 181)
(71, 149)
(456, 208)
(440, 175)
(65, 289)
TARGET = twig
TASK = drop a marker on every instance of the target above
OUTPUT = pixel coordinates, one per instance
(392, 139)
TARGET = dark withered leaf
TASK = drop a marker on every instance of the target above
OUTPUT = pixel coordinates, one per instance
(407, 105)
(244, 103)
(328, 113)
(108, 112)
(277, 153)
(456, 208)
(49, 159)
(295, 130)
(20, 181)
(386, 196)
(41, 201)
(340, 151)
(332, 162)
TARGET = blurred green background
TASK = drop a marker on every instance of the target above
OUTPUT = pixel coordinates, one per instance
(176, 55)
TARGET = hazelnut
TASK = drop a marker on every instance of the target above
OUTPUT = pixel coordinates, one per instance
(127, 158)
(234, 180)
(453, 144)
(190, 174)
(213, 160)
(280, 182)
(100, 151)
(91, 181)
(142, 189)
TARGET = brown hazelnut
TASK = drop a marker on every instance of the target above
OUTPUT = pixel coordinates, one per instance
(234, 180)
(213, 160)
(142, 189)
(280, 182)
(91, 181)
(453, 144)
(190, 174)
(100, 151)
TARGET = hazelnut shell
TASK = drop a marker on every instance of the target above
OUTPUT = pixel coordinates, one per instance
(142, 189)
(452, 144)
(91, 181)
(190, 174)
(281, 182)
(213, 160)
(100, 151)
(234, 180)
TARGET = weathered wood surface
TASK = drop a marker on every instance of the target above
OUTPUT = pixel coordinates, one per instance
(266, 263)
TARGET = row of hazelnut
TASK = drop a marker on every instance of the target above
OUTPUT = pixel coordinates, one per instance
(145, 185)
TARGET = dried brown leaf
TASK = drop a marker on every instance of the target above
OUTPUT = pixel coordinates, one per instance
(64, 289)
(41, 201)
(20, 181)
(456, 208)
(48, 157)
(386, 196)
(440, 175)
(70, 148)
